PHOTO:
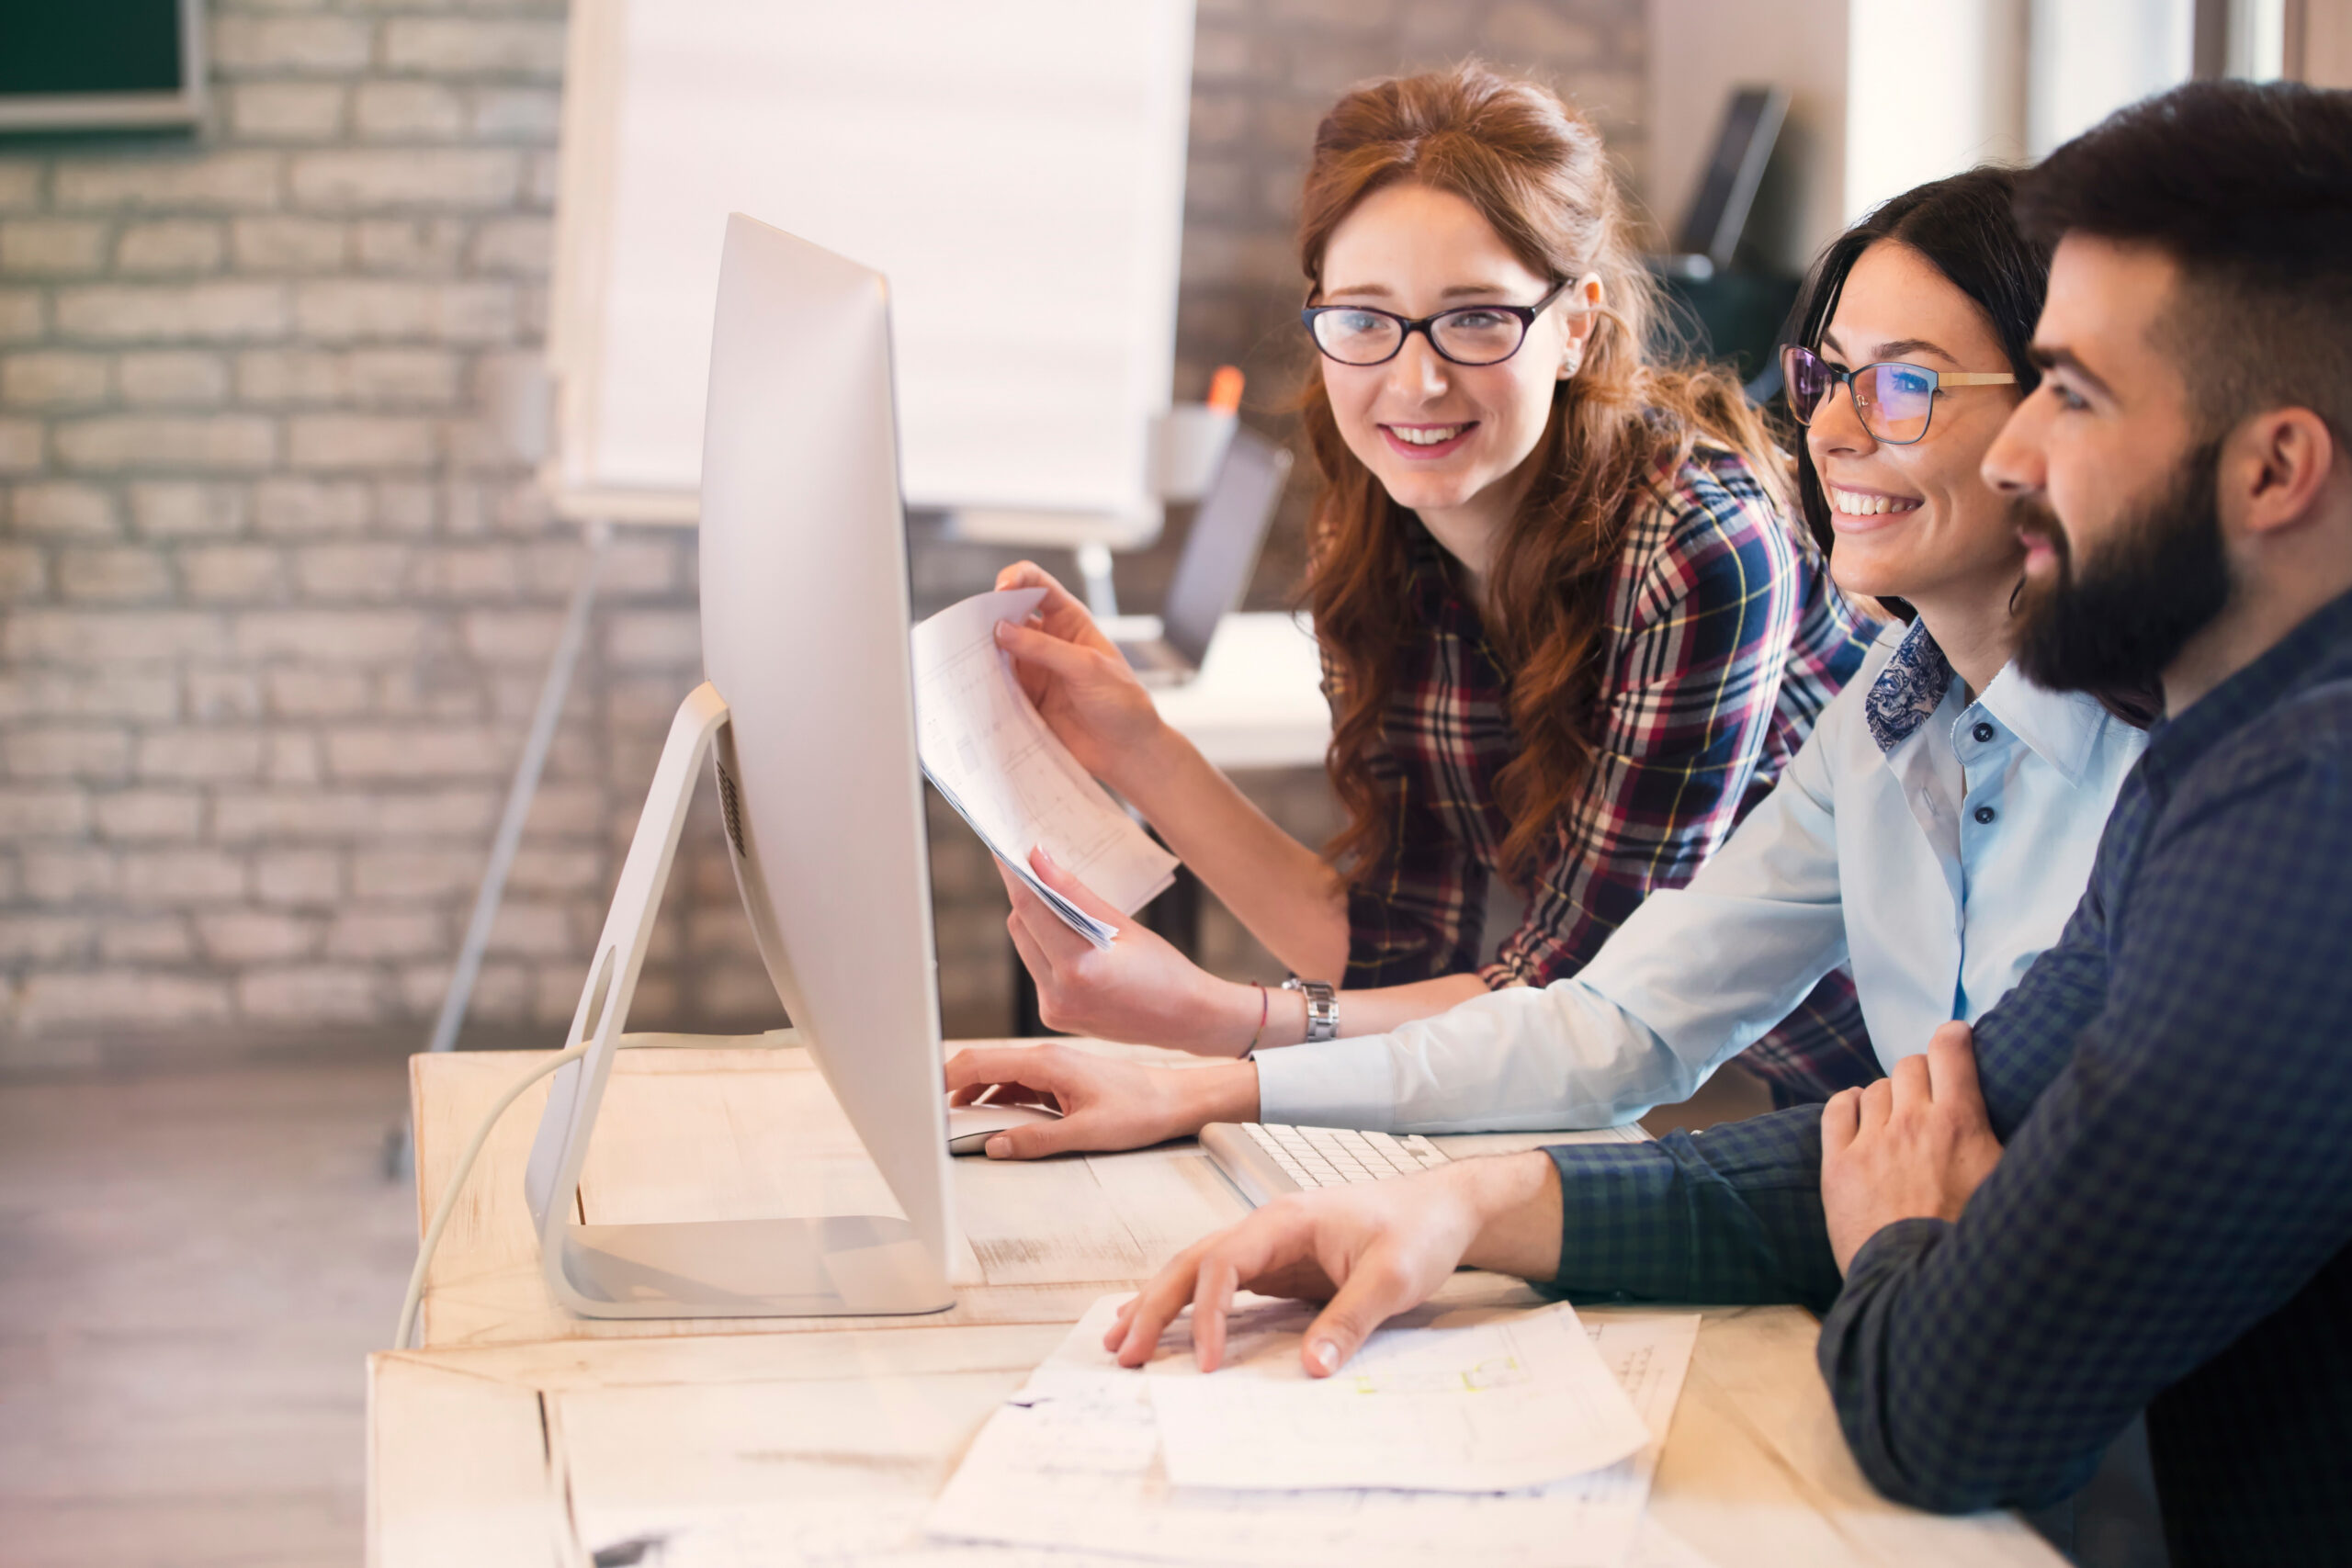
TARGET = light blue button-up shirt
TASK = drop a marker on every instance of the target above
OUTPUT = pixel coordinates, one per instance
(1933, 844)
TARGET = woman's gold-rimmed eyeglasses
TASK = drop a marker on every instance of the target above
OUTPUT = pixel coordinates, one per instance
(1892, 399)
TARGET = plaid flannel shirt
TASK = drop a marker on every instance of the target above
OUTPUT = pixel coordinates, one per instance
(2170, 1226)
(1724, 640)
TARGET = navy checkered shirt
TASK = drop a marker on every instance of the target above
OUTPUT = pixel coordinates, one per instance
(2170, 1226)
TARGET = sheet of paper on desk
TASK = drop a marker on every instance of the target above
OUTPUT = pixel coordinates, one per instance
(1073, 1461)
(1523, 1400)
(990, 756)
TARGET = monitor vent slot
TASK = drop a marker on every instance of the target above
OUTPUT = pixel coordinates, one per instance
(733, 808)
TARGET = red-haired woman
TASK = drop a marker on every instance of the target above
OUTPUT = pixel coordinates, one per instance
(1568, 627)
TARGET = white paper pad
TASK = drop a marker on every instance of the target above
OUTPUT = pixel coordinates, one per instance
(1073, 1461)
(1522, 1401)
(995, 760)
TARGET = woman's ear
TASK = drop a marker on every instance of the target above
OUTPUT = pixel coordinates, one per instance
(1582, 308)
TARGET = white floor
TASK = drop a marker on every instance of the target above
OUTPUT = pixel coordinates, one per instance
(192, 1265)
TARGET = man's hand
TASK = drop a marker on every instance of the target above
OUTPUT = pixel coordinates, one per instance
(1372, 1251)
(1105, 1104)
(1139, 989)
(1913, 1146)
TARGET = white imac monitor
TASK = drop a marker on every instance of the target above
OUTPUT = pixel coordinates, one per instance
(809, 708)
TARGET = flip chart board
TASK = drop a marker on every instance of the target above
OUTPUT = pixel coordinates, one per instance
(1015, 168)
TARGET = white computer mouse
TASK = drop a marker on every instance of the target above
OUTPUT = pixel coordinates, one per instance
(970, 1127)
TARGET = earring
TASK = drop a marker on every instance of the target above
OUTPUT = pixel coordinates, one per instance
(1571, 362)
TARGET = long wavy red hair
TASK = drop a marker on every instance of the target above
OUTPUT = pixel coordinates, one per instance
(1535, 170)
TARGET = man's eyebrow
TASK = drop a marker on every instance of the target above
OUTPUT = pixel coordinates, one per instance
(2047, 358)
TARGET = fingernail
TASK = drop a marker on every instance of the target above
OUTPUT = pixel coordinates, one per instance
(1046, 855)
(1325, 1354)
(998, 1147)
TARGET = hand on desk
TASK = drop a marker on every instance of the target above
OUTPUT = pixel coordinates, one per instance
(1372, 1251)
(1105, 1104)
(1913, 1146)
(1079, 680)
(1139, 989)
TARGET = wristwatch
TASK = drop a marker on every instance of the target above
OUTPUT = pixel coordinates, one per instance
(1322, 1008)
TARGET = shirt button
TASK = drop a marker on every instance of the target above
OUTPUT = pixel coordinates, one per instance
(1986, 814)
(1984, 733)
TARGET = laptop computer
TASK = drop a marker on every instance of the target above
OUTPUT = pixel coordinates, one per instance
(1214, 572)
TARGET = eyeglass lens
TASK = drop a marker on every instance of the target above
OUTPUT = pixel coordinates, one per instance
(1469, 336)
(1894, 401)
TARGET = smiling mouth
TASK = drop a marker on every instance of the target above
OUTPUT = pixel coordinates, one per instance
(1855, 503)
(1426, 440)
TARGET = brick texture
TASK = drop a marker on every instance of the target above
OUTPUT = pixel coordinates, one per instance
(275, 600)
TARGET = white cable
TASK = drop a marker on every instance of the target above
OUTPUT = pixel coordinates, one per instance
(775, 1039)
(449, 1204)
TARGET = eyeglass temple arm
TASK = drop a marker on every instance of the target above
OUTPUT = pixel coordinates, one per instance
(1975, 378)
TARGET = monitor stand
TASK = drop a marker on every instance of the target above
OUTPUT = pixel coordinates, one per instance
(846, 1265)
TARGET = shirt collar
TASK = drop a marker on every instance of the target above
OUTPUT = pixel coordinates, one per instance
(2320, 646)
(1908, 689)
(2060, 727)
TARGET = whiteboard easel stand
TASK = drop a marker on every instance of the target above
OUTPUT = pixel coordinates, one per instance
(400, 1146)
(553, 689)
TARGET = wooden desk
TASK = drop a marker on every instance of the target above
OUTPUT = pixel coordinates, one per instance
(520, 1435)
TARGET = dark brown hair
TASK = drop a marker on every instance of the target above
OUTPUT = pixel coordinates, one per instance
(2248, 188)
(1535, 170)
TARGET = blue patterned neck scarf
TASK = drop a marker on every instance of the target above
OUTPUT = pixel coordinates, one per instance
(1911, 687)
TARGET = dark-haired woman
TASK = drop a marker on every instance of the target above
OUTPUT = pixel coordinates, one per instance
(1935, 832)
(1570, 630)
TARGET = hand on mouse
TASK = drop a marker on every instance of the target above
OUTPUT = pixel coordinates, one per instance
(1105, 1104)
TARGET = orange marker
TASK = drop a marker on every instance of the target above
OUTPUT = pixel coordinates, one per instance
(1225, 389)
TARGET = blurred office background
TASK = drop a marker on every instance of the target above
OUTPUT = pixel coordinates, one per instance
(276, 593)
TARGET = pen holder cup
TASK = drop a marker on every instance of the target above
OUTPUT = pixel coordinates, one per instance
(1187, 446)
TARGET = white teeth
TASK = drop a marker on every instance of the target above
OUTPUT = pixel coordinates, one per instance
(1854, 503)
(1431, 435)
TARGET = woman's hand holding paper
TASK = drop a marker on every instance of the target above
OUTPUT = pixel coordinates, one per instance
(1080, 681)
(1139, 989)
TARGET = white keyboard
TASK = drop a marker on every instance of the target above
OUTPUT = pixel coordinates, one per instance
(1266, 1161)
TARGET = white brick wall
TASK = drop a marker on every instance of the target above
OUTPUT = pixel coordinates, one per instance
(275, 604)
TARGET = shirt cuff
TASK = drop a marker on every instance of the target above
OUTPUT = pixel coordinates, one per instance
(1332, 1083)
(1617, 1235)
(1892, 1249)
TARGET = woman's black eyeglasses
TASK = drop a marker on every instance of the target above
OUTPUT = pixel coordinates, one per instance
(1467, 335)
(1892, 399)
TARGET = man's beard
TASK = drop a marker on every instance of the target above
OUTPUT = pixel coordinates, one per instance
(2120, 620)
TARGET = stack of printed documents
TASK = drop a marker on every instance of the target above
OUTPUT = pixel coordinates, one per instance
(1476, 1434)
(990, 756)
